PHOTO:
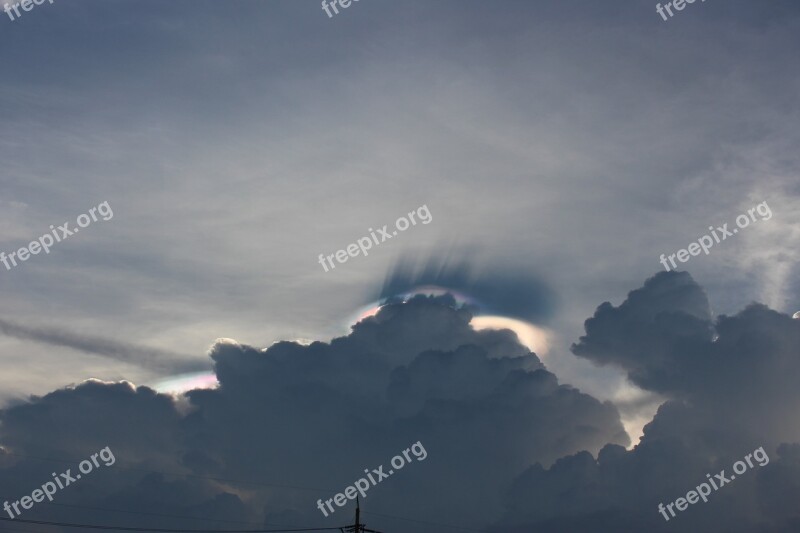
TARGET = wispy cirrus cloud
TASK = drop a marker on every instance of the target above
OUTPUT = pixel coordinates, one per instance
(151, 358)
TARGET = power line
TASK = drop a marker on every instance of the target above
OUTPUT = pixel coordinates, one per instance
(6, 452)
(204, 518)
(143, 513)
(19, 530)
(176, 474)
(427, 523)
(73, 461)
(162, 530)
(358, 527)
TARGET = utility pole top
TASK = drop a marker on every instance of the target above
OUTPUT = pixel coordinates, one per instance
(358, 527)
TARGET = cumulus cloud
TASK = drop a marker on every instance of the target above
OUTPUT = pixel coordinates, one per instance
(291, 423)
(508, 448)
(731, 391)
(640, 335)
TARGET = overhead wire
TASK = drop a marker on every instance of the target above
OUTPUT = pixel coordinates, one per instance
(452, 526)
(143, 513)
(162, 530)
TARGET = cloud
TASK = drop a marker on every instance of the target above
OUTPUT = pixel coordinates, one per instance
(150, 358)
(508, 447)
(731, 390)
(292, 423)
(641, 334)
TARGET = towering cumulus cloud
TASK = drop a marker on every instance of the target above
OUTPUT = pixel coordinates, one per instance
(290, 423)
(509, 449)
(731, 384)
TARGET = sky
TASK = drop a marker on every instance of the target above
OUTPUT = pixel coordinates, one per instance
(553, 154)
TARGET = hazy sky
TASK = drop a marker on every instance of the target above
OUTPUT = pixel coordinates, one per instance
(560, 147)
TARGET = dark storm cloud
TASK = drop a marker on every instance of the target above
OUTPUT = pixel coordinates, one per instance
(732, 389)
(739, 366)
(120, 351)
(313, 417)
(291, 424)
(143, 430)
(649, 330)
(503, 291)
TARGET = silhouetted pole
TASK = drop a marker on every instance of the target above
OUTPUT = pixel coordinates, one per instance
(358, 515)
(359, 527)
